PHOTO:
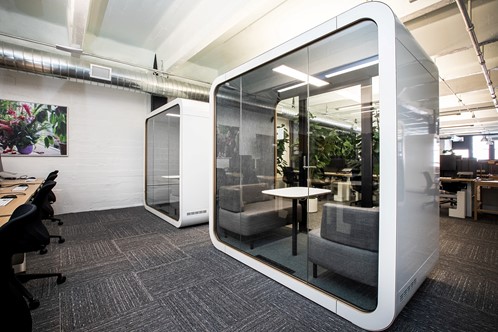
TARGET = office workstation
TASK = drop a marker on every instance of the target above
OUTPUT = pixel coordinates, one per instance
(25, 203)
(14, 193)
(469, 184)
(332, 196)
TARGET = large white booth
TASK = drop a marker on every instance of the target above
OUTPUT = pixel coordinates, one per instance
(176, 172)
(362, 80)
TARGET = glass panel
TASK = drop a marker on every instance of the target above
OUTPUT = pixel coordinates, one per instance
(163, 162)
(150, 180)
(344, 158)
(480, 147)
(228, 169)
(272, 221)
(302, 122)
(172, 177)
(464, 153)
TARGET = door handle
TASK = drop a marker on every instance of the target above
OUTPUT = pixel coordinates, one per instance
(304, 163)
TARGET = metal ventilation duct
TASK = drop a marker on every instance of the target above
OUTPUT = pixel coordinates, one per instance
(25, 59)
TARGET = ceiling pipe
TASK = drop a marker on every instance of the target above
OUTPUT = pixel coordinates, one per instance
(470, 29)
(25, 59)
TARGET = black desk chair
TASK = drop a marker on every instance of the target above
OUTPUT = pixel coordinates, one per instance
(290, 178)
(356, 187)
(48, 210)
(13, 308)
(41, 200)
(448, 191)
(25, 232)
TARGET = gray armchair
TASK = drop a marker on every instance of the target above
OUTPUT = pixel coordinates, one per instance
(347, 242)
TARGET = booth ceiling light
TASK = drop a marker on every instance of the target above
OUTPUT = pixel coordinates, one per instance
(288, 71)
(292, 87)
(352, 67)
(458, 126)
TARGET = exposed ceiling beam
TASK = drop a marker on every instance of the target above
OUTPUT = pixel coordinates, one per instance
(96, 16)
(422, 13)
(176, 50)
(77, 21)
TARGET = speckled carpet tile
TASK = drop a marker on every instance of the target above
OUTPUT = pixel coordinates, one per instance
(128, 270)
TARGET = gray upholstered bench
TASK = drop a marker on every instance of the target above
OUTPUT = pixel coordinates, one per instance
(347, 242)
(246, 211)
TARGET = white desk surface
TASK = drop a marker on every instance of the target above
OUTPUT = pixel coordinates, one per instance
(296, 192)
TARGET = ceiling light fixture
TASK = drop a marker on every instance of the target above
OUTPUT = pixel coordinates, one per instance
(292, 87)
(288, 71)
(354, 66)
(451, 113)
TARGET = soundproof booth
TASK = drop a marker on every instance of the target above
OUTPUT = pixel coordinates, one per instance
(360, 84)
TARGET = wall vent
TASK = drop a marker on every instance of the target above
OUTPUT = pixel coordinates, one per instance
(191, 213)
(100, 72)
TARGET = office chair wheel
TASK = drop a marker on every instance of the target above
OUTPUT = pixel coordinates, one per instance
(61, 280)
(59, 222)
(33, 304)
(62, 240)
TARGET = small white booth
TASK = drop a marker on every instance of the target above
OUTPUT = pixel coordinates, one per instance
(357, 87)
(176, 172)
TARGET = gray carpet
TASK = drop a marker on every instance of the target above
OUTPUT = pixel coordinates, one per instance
(127, 270)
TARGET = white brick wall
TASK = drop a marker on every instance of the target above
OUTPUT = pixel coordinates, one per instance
(104, 166)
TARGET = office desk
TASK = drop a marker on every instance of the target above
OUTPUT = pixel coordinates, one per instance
(477, 197)
(338, 174)
(295, 193)
(7, 188)
(468, 193)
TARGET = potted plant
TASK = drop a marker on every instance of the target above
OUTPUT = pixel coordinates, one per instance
(281, 146)
(20, 126)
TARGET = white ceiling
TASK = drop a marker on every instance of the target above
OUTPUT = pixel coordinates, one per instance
(201, 39)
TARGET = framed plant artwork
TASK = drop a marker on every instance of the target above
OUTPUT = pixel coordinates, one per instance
(32, 129)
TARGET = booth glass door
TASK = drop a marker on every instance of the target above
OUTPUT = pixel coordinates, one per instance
(163, 162)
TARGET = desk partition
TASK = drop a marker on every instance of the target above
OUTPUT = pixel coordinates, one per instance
(340, 91)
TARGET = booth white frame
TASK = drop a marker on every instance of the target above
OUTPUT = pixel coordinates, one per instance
(194, 157)
(409, 215)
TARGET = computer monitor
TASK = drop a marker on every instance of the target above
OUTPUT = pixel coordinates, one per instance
(336, 164)
(4, 174)
(467, 165)
(448, 165)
